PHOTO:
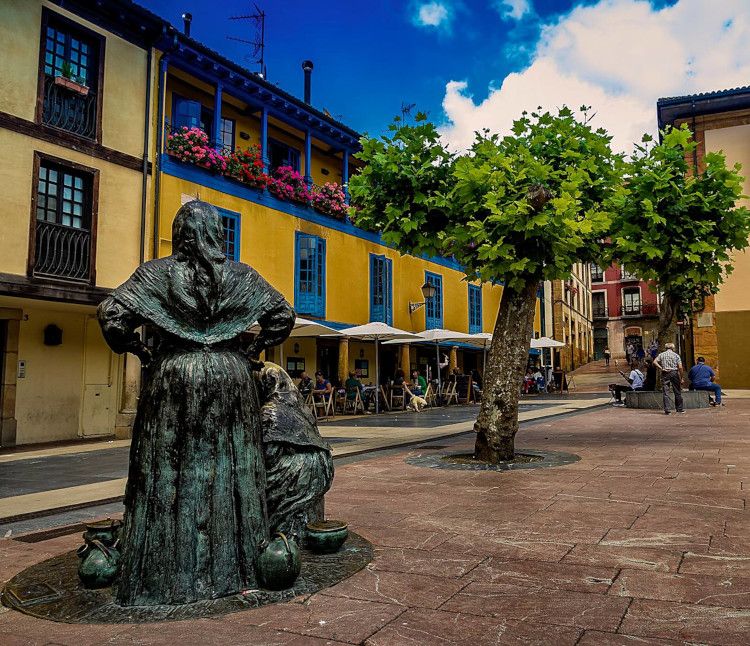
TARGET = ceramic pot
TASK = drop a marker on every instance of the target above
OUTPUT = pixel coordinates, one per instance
(326, 536)
(106, 531)
(279, 563)
(98, 566)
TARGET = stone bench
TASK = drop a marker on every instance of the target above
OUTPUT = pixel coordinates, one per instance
(653, 399)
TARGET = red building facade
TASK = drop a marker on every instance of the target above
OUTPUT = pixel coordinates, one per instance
(625, 310)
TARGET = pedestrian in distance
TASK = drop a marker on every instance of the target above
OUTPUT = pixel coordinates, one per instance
(701, 377)
(607, 356)
(670, 364)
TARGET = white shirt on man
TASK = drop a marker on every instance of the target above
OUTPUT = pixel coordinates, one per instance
(636, 378)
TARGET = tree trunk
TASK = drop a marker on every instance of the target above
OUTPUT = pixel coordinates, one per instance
(667, 320)
(497, 424)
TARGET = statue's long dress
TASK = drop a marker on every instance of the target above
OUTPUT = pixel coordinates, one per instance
(195, 508)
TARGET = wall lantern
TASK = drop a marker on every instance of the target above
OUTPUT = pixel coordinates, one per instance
(361, 353)
(296, 348)
(428, 291)
(52, 335)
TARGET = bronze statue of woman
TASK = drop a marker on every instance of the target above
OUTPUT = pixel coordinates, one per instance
(195, 502)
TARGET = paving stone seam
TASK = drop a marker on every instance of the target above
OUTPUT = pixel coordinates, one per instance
(627, 609)
(377, 630)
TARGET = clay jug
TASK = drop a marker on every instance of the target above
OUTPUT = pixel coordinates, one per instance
(279, 563)
(98, 566)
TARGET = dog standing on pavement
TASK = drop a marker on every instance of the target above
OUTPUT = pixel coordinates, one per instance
(417, 403)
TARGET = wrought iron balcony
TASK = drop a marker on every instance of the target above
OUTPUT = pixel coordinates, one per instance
(62, 252)
(631, 310)
(599, 312)
(68, 109)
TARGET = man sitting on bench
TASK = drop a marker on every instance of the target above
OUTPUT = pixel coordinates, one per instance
(635, 379)
(701, 377)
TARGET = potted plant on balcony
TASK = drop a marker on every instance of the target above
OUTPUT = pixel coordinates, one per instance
(191, 145)
(247, 167)
(288, 184)
(67, 80)
(330, 199)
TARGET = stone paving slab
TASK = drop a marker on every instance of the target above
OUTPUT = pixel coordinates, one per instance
(641, 542)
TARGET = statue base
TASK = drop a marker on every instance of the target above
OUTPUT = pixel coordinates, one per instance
(51, 590)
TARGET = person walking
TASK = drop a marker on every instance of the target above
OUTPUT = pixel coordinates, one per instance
(670, 364)
(701, 377)
(607, 355)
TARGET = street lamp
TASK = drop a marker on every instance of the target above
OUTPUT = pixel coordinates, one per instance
(428, 291)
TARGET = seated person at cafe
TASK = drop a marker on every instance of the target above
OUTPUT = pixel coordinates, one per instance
(635, 379)
(305, 384)
(322, 385)
(399, 378)
(529, 382)
(701, 377)
(418, 383)
(352, 385)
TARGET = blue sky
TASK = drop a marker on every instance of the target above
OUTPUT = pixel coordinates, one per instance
(477, 63)
(368, 56)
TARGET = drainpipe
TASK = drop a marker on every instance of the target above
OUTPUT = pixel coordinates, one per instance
(163, 63)
(146, 133)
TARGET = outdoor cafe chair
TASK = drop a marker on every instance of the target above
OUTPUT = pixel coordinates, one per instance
(450, 395)
(398, 397)
(323, 403)
(353, 404)
(429, 395)
(463, 389)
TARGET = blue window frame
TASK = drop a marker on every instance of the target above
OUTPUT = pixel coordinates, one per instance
(310, 275)
(281, 154)
(381, 289)
(186, 112)
(434, 305)
(230, 222)
(475, 309)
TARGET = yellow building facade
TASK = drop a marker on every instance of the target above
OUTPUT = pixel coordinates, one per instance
(568, 317)
(720, 330)
(87, 103)
(72, 127)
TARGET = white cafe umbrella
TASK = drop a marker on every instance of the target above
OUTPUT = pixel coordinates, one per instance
(377, 331)
(302, 328)
(546, 342)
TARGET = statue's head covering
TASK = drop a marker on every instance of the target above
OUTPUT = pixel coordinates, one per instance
(198, 241)
(197, 233)
(285, 417)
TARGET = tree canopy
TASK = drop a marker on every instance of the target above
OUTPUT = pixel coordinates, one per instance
(519, 208)
(677, 225)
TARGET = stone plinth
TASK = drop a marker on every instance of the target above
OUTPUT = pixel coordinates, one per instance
(654, 399)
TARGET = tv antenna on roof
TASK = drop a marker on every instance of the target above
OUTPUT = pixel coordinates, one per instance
(258, 43)
(406, 109)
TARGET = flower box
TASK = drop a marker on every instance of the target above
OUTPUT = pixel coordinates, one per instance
(330, 199)
(72, 85)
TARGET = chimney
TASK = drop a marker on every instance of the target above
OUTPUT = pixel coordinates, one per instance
(187, 18)
(307, 67)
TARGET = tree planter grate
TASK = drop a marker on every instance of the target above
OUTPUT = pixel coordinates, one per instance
(531, 459)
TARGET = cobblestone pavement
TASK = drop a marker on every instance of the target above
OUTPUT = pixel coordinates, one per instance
(645, 540)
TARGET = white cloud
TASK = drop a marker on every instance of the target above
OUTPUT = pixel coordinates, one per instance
(432, 14)
(618, 56)
(513, 9)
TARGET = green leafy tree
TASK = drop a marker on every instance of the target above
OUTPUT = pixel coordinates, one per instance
(677, 227)
(518, 209)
